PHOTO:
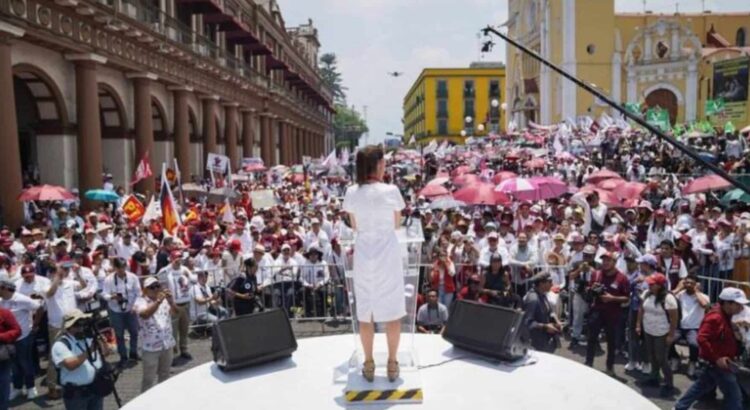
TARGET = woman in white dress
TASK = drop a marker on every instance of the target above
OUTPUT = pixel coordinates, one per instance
(374, 210)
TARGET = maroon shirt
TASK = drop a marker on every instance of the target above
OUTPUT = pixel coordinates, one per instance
(715, 336)
(615, 285)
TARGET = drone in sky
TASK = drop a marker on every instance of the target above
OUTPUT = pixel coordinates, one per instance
(395, 73)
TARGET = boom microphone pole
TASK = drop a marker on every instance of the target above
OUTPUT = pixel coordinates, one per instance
(637, 118)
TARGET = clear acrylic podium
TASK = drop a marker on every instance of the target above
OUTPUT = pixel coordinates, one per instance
(408, 388)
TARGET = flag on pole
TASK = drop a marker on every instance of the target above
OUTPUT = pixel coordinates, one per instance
(659, 118)
(729, 128)
(170, 217)
(412, 140)
(634, 108)
(345, 156)
(227, 215)
(153, 211)
(714, 107)
(330, 160)
(143, 170)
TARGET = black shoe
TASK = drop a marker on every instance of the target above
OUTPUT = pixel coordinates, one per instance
(123, 363)
(666, 391)
(186, 356)
(175, 362)
(650, 382)
(134, 358)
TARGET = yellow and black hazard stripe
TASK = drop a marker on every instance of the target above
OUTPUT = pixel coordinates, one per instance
(383, 395)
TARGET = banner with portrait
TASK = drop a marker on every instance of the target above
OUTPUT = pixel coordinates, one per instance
(731, 85)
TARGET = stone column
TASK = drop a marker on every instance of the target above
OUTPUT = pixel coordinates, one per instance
(89, 141)
(248, 134)
(294, 145)
(265, 140)
(182, 130)
(144, 127)
(209, 126)
(230, 134)
(10, 167)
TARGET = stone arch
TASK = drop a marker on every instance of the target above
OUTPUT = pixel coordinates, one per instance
(665, 98)
(159, 121)
(667, 86)
(42, 120)
(112, 114)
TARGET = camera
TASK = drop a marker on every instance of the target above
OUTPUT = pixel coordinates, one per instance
(122, 302)
(593, 293)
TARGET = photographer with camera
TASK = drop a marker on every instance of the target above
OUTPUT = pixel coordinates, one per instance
(60, 299)
(579, 279)
(179, 280)
(607, 291)
(154, 317)
(243, 289)
(23, 309)
(432, 316)
(121, 289)
(205, 306)
(79, 360)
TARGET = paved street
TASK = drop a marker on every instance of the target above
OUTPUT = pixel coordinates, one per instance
(129, 383)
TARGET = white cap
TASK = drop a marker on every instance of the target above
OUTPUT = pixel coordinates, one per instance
(733, 295)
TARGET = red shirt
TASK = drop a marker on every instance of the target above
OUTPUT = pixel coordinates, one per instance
(468, 295)
(715, 336)
(449, 285)
(9, 329)
(615, 285)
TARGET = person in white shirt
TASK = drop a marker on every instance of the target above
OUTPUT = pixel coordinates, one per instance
(286, 274)
(315, 278)
(121, 289)
(494, 247)
(693, 304)
(154, 311)
(125, 247)
(231, 261)
(86, 294)
(205, 306)
(31, 284)
(179, 279)
(60, 299)
(23, 309)
(657, 322)
(315, 234)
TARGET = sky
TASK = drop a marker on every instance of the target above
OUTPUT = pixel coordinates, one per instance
(374, 37)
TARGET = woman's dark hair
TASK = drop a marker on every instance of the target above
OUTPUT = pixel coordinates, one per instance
(367, 162)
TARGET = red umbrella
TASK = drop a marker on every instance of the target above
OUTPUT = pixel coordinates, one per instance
(434, 190)
(610, 184)
(711, 182)
(45, 193)
(466, 179)
(630, 191)
(502, 176)
(481, 194)
(602, 175)
(536, 163)
(463, 169)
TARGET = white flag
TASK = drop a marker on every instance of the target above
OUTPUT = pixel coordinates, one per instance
(431, 147)
(345, 156)
(153, 211)
(330, 160)
(412, 140)
(228, 215)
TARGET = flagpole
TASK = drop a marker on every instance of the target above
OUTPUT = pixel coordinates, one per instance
(638, 119)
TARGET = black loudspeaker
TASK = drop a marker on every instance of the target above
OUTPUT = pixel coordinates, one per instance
(249, 340)
(489, 330)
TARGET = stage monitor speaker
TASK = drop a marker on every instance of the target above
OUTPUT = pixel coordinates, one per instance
(249, 340)
(489, 330)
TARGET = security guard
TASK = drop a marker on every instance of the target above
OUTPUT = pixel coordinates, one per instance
(77, 361)
(244, 288)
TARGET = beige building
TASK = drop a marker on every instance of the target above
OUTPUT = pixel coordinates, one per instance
(90, 86)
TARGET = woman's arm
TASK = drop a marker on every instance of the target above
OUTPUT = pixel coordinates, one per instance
(352, 221)
(396, 219)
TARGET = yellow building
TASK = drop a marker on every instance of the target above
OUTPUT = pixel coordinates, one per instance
(676, 61)
(442, 99)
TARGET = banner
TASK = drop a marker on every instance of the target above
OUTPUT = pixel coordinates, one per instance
(217, 163)
(659, 118)
(133, 208)
(253, 164)
(731, 84)
(263, 199)
(714, 107)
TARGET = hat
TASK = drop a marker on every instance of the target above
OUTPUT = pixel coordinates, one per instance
(314, 221)
(314, 248)
(589, 249)
(102, 227)
(8, 283)
(456, 235)
(235, 245)
(648, 259)
(493, 235)
(656, 279)
(490, 225)
(259, 248)
(149, 282)
(176, 254)
(72, 317)
(731, 294)
(660, 212)
(285, 247)
(610, 255)
(559, 237)
(37, 231)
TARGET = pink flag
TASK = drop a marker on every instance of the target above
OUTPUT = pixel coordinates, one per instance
(143, 170)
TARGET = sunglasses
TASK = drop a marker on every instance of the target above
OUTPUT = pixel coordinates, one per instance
(154, 287)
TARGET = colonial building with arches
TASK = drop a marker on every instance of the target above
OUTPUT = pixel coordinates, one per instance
(90, 86)
(653, 59)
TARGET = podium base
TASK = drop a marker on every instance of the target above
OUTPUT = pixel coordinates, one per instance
(406, 389)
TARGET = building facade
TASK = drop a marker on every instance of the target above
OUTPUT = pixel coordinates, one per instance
(91, 86)
(670, 60)
(442, 99)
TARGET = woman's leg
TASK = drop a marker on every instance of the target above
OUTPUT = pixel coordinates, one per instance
(367, 335)
(393, 334)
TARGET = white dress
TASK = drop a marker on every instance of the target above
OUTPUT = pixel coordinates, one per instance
(378, 264)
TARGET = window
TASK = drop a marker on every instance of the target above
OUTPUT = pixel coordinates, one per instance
(442, 89)
(442, 111)
(740, 38)
(469, 89)
(495, 89)
(468, 108)
(442, 127)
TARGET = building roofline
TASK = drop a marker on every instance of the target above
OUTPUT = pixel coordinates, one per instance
(427, 72)
(693, 14)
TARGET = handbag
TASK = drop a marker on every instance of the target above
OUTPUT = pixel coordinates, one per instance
(7, 351)
(104, 380)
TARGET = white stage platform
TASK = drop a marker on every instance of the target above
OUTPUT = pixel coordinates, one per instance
(315, 378)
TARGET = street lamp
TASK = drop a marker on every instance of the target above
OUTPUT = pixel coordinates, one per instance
(495, 103)
(468, 119)
(463, 133)
(480, 127)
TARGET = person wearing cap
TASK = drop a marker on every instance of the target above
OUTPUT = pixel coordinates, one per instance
(433, 315)
(673, 267)
(86, 278)
(60, 298)
(23, 309)
(315, 278)
(608, 290)
(155, 309)
(718, 346)
(120, 290)
(124, 246)
(579, 278)
(495, 246)
(315, 235)
(657, 322)
(522, 258)
(231, 260)
(78, 360)
(693, 304)
(472, 290)
(179, 279)
(244, 288)
(205, 305)
(285, 276)
(540, 325)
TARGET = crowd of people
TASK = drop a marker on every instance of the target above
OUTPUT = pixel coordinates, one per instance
(644, 270)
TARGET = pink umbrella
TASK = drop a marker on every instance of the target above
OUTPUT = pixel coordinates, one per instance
(466, 179)
(481, 194)
(439, 180)
(565, 156)
(463, 169)
(536, 163)
(630, 191)
(434, 190)
(549, 187)
(602, 175)
(517, 187)
(45, 193)
(711, 182)
(502, 176)
(606, 197)
(610, 184)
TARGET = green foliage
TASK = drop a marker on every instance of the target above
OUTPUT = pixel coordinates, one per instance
(348, 125)
(331, 76)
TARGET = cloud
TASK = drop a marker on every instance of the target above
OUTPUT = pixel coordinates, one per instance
(431, 56)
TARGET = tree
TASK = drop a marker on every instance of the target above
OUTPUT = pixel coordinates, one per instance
(348, 126)
(332, 77)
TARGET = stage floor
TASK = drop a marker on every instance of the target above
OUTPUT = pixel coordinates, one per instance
(315, 378)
